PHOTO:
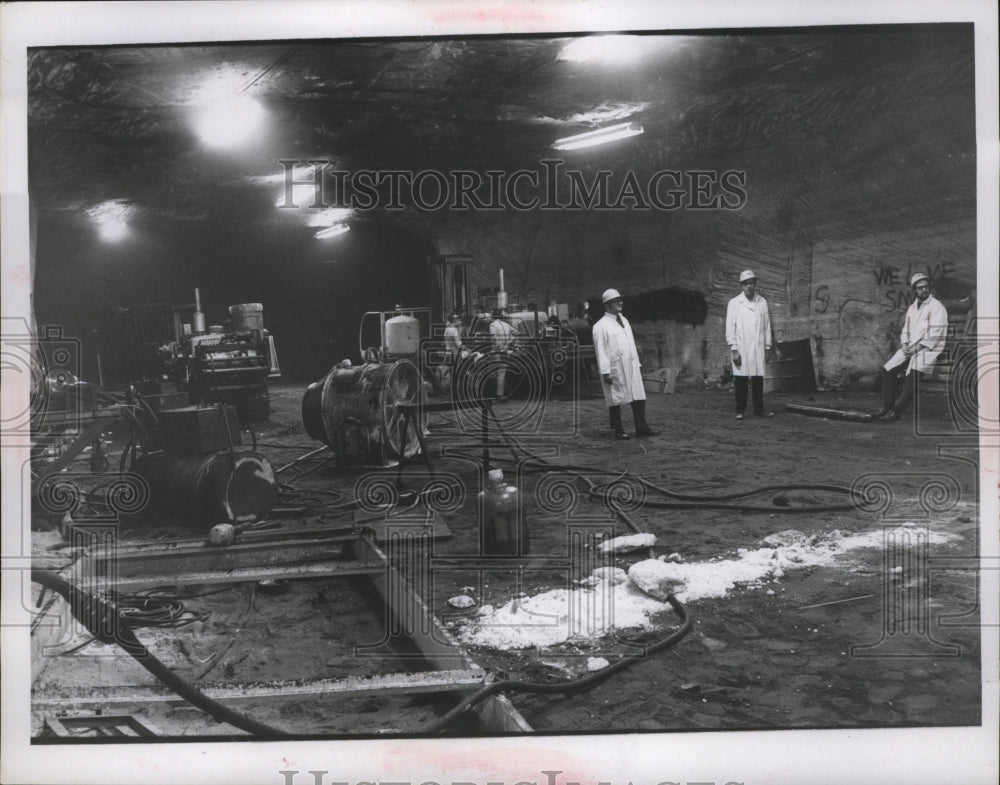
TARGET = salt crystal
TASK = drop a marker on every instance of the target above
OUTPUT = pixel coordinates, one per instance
(631, 542)
(656, 578)
(615, 575)
(461, 601)
(596, 664)
(787, 537)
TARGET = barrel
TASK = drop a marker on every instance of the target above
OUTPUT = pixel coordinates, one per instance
(208, 488)
(247, 316)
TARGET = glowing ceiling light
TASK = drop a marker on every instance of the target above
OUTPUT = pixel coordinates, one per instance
(602, 136)
(332, 231)
(302, 195)
(227, 120)
(111, 231)
(607, 49)
(329, 216)
(111, 218)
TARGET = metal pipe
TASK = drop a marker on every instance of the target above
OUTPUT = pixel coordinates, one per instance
(198, 321)
(833, 414)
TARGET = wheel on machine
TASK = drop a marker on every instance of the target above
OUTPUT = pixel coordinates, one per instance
(402, 385)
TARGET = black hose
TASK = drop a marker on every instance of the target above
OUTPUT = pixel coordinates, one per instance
(695, 501)
(566, 688)
(537, 464)
(108, 624)
(698, 501)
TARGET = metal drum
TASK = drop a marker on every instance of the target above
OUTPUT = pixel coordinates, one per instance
(355, 411)
(208, 488)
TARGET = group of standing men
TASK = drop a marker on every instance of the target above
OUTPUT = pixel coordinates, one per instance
(751, 340)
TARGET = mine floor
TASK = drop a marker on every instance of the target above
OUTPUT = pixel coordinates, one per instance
(883, 633)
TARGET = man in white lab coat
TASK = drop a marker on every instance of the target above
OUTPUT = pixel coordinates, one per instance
(748, 333)
(619, 367)
(452, 350)
(925, 328)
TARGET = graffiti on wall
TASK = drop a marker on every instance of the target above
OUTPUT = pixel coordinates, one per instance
(894, 283)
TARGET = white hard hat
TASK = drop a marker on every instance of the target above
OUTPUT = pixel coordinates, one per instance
(747, 275)
(610, 294)
(917, 277)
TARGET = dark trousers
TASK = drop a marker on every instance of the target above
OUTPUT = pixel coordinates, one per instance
(638, 415)
(898, 388)
(756, 385)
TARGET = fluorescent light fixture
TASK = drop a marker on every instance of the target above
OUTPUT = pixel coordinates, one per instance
(332, 231)
(602, 136)
(303, 195)
(327, 217)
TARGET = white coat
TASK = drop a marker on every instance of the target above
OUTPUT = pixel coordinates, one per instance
(453, 341)
(748, 330)
(926, 325)
(502, 334)
(617, 355)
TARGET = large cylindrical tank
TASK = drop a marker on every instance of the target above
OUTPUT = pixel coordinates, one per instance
(402, 336)
(207, 488)
(247, 316)
(355, 411)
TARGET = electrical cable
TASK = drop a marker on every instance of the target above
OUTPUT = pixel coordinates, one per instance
(155, 608)
(567, 688)
(241, 624)
(307, 500)
(272, 446)
(696, 501)
(231, 495)
(148, 608)
(108, 624)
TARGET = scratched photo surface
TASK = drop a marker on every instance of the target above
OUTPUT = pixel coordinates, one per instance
(331, 431)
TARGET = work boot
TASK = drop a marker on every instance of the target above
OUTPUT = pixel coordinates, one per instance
(639, 415)
(615, 416)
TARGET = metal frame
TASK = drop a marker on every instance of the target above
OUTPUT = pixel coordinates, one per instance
(265, 555)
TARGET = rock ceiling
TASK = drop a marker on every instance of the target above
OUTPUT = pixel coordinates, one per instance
(114, 122)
